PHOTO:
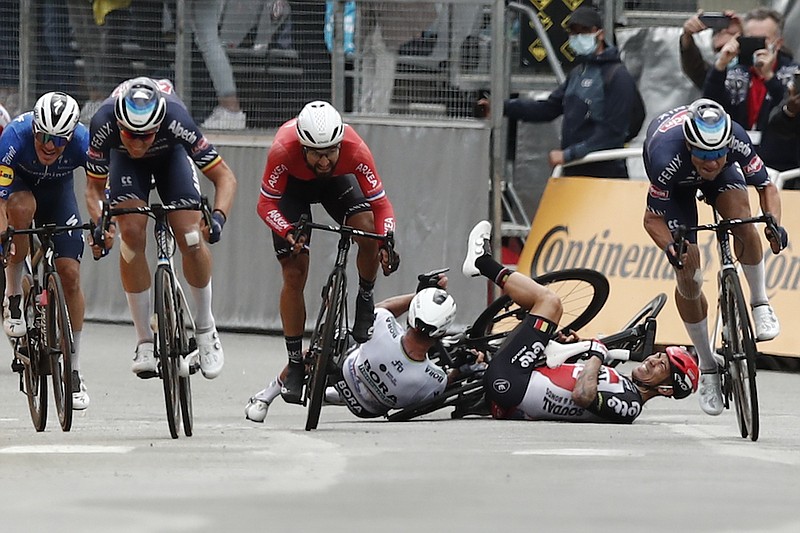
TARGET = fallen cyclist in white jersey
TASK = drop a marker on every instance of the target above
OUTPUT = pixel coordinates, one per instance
(392, 369)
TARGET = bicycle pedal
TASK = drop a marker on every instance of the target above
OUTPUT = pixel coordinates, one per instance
(147, 374)
(17, 366)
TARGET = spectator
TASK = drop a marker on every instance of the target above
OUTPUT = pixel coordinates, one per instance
(596, 100)
(692, 62)
(227, 115)
(9, 51)
(267, 17)
(783, 119)
(749, 93)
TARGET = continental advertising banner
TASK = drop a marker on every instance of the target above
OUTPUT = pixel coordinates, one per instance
(597, 223)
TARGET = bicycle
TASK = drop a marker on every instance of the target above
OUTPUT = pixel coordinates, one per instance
(733, 331)
(329, 338)
(175, 345)
(47, 347)
(585, 292)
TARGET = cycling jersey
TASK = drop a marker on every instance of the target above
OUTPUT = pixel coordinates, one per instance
(178, 130)
(549, 397)
(378, 375)
(673, 177)
(286, 160)
(52, 186)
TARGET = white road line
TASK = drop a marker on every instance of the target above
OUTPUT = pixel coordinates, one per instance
(578, 452)
(717, 438)
(65, 448)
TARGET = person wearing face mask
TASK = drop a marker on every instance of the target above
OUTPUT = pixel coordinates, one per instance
(692, 62)
(596, 100)
(749, 93)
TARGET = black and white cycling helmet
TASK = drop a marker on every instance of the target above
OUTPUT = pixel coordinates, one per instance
(319, 125)
(140, 106)
(56, 114)
(707, 127)
(432, 311)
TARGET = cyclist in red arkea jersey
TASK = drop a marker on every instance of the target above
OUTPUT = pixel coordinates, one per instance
(315, 158)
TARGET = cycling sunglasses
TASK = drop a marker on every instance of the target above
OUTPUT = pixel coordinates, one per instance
(137, 135)
(57, 140)
(709, 155)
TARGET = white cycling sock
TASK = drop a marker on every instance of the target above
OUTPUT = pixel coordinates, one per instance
(14, 273)
(272, 391)
(756, 279)
(698, 332)
(76, 346)
(203, 320)
(140, 308)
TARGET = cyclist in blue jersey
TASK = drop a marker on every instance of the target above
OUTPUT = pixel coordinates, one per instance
(142, 137)
(39, 152)
(699, 147)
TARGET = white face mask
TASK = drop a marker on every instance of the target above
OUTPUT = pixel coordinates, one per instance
(583, 44)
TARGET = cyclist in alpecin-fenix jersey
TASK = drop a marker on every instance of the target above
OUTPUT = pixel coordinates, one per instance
(699, 147)
(141, 136)
(519, 388)
(316, 158)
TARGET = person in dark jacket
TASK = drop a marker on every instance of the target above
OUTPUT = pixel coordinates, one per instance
(692, 62)
(596, 100)
(749, 94)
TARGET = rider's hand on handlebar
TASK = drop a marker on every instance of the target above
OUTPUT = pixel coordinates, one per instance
(296, 242)
(389, 261)
(675, 259)
(777, 242)
(102, 241)
(218, 219)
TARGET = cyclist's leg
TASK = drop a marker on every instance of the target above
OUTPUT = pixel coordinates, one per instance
(345, 203)
(20, 208)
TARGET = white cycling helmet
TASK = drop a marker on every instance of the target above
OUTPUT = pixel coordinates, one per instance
(140, 106)
(319, 125)
(5, 118)
(432, 311)
(56, 114)
(707, 127)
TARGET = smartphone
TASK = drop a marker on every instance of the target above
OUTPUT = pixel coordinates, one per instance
(715, 21)
(748, 47)
(797, 82)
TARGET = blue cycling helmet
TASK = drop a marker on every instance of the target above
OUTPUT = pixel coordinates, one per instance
(140, 106)
(707, 126)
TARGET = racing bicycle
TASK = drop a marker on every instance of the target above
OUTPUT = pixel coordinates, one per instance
(733, 333)
(329, 340)
(172, 321)
(47, 347)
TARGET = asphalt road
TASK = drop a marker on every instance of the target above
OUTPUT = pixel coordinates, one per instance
(118, 470)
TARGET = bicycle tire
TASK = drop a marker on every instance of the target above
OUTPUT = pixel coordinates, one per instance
(34, 374)
(650, 310)
(184, 383)
(322, 355)
(167, 347)
(583, 293)
(456, 394)
(60, 347)
(740, 355)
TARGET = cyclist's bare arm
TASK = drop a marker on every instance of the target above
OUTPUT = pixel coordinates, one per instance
(397, 305)
(224, 182)
(585, 390)
(655, 226)
(95, 195)
(769, 199)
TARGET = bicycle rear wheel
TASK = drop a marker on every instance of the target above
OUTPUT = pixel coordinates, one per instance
(324, 343)
(35, 372)
(167, 346)
(583, 293)
(60, 348)
(186, 346)
(740, 354)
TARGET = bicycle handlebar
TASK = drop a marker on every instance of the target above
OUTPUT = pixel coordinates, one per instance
(45, 229)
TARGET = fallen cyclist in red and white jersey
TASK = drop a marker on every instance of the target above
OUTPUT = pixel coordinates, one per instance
(517, 388)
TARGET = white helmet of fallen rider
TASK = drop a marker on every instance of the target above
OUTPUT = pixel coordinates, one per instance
(707, 125)
(319, 125)
(57, 114)
(140, 106)
(432, 311)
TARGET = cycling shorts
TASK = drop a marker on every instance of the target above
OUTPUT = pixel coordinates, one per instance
(341, 197)
(174, 175)
(56, 204)
(506, 379)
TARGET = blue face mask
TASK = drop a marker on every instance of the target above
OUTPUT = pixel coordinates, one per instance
(583, 44)
(733, 62)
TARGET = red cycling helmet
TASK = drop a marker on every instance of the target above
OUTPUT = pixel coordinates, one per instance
(684, 371)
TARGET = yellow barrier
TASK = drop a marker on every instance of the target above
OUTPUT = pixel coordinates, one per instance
(597, 223)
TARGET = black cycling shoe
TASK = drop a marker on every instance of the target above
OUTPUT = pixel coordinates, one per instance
(365, 317)
(292, 390)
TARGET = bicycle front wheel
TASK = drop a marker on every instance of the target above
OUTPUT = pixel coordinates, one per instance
(167, 346)
(186, 346)
(324, 343)
(36, 367)
(61, 349)
(740, 354)
(583, 293)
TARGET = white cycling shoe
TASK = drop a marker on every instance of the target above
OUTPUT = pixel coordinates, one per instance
(477, 246)
(13, 319)
(766, 323)
(212, 358)
(144, 362)
(711, 394)
(256, 410)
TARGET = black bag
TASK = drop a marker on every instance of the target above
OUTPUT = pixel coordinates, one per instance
(638, 111)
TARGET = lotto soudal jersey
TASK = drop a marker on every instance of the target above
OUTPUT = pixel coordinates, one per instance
(667, 159)
(177, 129)
(382, 377)
(286, 160)
(18, 158)
(549, 396)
